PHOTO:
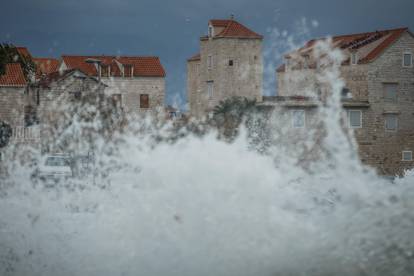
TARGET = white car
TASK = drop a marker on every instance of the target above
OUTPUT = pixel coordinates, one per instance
(53, 168)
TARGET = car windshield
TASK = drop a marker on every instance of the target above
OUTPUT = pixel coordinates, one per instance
(57, 161)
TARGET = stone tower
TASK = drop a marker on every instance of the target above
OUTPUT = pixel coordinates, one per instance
(229, 64)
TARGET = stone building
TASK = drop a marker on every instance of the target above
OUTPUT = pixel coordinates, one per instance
(12, 95)
(229, 64)
(378, 97)
(62, 98)
(138, 83)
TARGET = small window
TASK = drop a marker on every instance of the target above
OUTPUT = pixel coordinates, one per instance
(354, 118)
(230, 62)
(306, 62)
(354, 58)
(198, 68)
(346, 93)
(390, 91)
(37, 97)
(391, 122)
(104, 71)
(77, 95)
(407, 60)
(407, 155)
(210, 31)
(128, 70)
(144, 101)
(288, 63)
(210, 62)
(298, 118)
(210, 89)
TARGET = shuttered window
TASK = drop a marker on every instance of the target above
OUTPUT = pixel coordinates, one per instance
(143, 101)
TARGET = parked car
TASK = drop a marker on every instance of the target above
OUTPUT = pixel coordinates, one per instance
(54, 168)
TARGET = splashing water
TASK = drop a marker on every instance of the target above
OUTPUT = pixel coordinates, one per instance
(201, 206)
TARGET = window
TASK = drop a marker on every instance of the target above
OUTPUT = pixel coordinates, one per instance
(355, 118)
(210, 89)
(306, 62)
(104, 70)
(407, 155)
(346, 93)
(198, 68)
(391, 122)
(210, 62)
(143, 101)
(298, 118)
(128, 71)
(37, 97)
(77, 95)
(230, 62)
(390, 91)
(407, 60)
(354, 58)
(210, 31)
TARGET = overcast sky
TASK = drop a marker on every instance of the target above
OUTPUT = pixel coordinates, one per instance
(171, 29)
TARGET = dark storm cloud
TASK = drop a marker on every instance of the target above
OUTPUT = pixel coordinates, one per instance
(170, 29)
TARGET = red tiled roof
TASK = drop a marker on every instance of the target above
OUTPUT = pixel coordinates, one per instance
(46, 65)
(372, 44)
(233, 29)
(194, 58)
(23, 51)
(13, 76)
(143, 66)
(219, 22)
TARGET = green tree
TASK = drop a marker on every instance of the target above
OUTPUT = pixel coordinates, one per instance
(230, 113)
(10, 54)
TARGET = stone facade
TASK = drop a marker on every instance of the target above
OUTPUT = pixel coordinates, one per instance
(138, 82)
(54, 100)
(12, 101)
(229, 64)
(366, 87)
(131, 89)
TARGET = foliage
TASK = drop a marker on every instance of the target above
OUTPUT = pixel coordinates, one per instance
(230, 113)
(5, 134)
(10, 54)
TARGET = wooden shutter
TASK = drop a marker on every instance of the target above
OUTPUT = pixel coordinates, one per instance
(143, 101)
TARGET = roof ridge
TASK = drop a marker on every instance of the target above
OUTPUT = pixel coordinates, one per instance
(114, 56)
(358, 34)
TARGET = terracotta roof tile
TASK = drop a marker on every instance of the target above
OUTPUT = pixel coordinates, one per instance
(370, 45)
(46, 65)
(233, 29)
(13, 76)
(143, 66)
(23, 51)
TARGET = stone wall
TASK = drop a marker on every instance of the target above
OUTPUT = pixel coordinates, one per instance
(384, 148)
(378, 147)
(132, 88)
(12, 101)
